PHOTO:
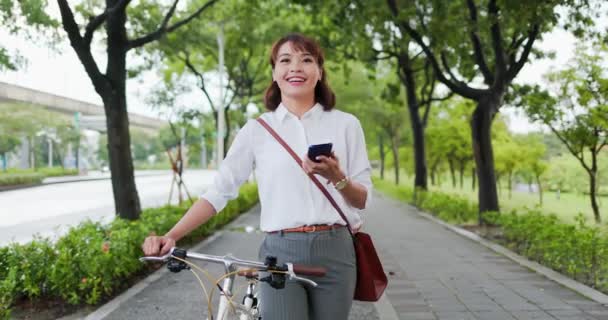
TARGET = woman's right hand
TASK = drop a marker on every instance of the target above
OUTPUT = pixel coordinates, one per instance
(157, 245)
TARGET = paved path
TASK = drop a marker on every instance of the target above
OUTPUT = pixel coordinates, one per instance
(435, 274)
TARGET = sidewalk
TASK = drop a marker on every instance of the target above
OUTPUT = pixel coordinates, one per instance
(435, 274)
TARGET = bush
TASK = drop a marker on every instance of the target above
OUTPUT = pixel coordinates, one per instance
(12, 179)
(93, 261)
(447, 207)
(57, 172)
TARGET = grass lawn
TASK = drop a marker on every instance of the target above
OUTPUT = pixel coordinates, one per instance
(567, 207)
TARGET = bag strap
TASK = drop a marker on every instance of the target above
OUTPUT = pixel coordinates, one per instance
(312, 176)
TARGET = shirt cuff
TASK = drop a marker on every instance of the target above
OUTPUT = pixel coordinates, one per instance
(215, 199)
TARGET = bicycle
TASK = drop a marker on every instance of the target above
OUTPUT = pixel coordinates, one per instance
(248, 309)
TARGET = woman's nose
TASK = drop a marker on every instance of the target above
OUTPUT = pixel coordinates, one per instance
(295, 66)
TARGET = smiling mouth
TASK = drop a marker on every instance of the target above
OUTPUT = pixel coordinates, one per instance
(296, 80)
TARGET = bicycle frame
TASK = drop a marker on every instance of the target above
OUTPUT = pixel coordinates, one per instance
(230, 266)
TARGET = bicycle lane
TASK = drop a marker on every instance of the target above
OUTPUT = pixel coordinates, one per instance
(166, 295)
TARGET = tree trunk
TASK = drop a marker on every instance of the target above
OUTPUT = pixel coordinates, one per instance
(433, 176)
(126, 198)
(461, 172)
(473, 178)
(32, 156)
(395, 147)
(593, 187)
(540, 190)
(420, 179)
(227, 130)
(382, 155)
(510, 183)
(481, 126)
(452, 172)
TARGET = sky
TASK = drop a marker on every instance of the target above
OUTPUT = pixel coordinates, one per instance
(60, 72)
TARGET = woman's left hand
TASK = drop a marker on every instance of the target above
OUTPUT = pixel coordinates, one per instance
(328, 167)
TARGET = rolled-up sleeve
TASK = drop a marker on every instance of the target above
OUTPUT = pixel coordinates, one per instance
(234, 170)
(358, 165)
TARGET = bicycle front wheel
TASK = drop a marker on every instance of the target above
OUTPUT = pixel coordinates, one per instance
(239, 312)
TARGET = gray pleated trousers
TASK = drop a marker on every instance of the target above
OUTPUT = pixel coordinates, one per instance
(332, 298)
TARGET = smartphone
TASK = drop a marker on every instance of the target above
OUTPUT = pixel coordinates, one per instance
(315, 150)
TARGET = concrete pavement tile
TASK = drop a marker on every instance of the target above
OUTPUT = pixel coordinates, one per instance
(494, 315)
(532, 315)
(417, 316)
(455, 315)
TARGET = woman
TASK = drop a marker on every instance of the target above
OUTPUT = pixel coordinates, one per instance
(301, 224)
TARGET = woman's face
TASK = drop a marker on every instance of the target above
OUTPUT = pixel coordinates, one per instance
(296, 72)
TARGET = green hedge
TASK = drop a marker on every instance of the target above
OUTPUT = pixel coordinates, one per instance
(28, 176)
(11, 179)
(447, 207)
(93, 261)
(57, 172)
(579, 250)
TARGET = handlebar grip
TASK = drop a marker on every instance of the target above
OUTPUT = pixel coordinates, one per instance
(305, 270)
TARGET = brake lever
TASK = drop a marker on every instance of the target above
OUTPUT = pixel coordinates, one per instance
(293, 276)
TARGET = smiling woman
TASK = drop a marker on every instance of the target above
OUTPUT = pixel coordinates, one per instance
(301, 225)
(298, 69)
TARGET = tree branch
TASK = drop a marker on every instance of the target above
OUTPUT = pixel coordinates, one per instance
(201, 78)
(570, 148)
(97, 21)
(515, 68)
(163, 29)
(446, 66)
(499, 50)
(83, 51)
(462, 90)
(477, 47)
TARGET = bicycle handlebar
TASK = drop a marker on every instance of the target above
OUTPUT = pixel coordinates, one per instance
(230, 261)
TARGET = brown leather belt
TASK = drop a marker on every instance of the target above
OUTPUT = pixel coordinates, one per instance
(311, 228)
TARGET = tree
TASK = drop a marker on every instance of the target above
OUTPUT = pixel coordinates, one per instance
(248, 28)
(144, 18)
(35, 18)
(374, 96)
(376, 38)
(577, 111)
(533, 165)
(466, 41)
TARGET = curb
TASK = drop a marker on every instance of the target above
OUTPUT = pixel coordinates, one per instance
(576, 286)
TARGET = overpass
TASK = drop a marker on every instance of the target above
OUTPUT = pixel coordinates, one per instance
(93, 114)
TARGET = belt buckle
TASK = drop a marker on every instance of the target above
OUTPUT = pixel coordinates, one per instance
(314, 228)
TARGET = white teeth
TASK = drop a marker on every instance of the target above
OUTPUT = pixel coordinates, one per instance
(295, 80)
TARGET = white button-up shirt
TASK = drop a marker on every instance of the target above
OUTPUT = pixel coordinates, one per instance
(288, 196)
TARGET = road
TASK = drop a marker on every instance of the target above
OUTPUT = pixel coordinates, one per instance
(49, 210)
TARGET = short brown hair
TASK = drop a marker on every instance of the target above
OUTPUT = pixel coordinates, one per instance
(323, 93)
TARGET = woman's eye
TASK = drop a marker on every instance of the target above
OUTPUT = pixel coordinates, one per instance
(284, 60)
(308, 60)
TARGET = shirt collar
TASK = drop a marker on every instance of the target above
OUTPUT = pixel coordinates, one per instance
(281, 112)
